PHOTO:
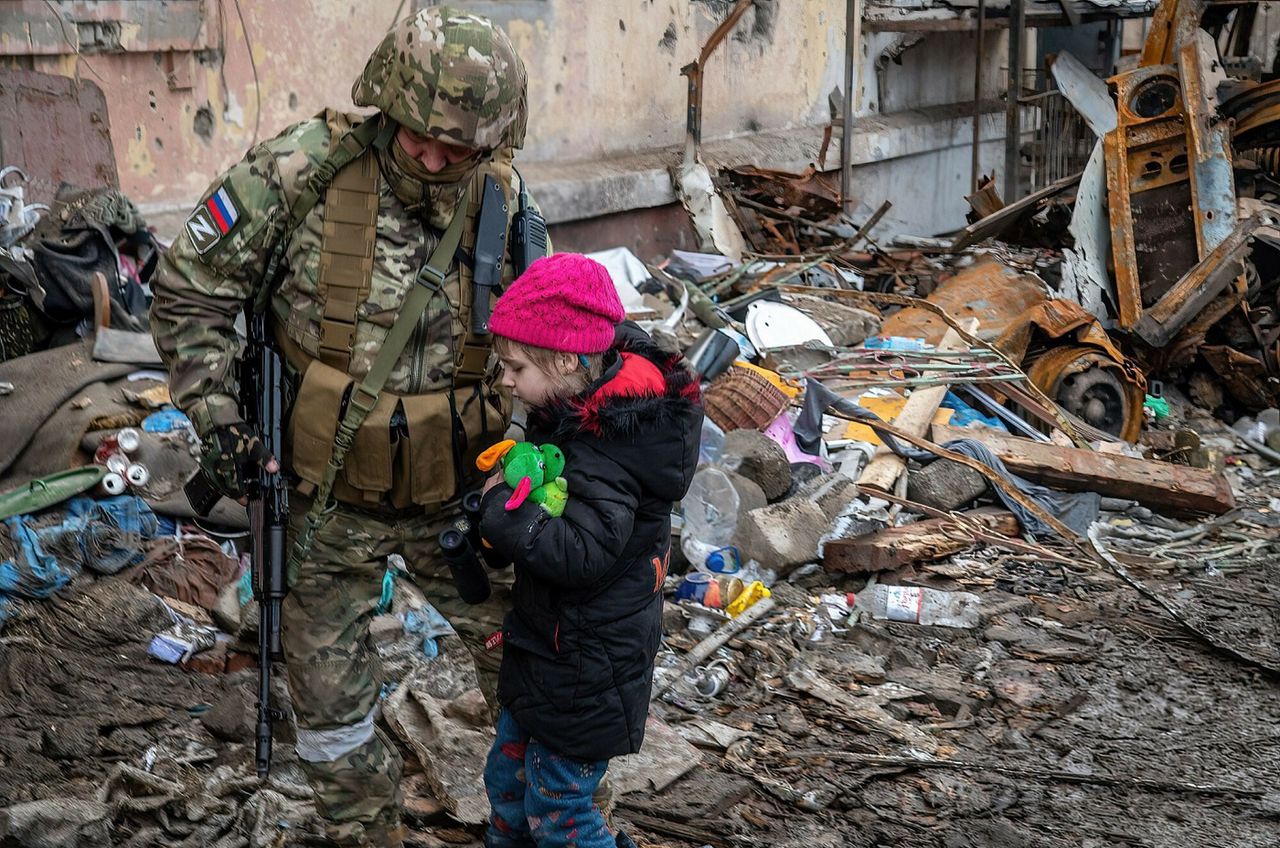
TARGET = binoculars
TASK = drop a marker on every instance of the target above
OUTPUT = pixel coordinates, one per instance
(462, 548)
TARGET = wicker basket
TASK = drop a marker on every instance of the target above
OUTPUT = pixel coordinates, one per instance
(741, 399)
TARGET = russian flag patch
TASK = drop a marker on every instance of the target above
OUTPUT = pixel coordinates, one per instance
(213, 220)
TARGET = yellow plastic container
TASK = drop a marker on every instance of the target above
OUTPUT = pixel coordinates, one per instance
(754, 592)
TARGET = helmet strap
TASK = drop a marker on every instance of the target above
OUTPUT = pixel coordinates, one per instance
(386, 132)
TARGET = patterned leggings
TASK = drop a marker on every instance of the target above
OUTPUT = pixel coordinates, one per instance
(541, 798)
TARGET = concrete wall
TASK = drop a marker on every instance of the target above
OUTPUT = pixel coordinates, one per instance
(604, 77)
(191, 83)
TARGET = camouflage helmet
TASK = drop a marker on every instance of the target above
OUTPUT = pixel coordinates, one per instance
(451, 75)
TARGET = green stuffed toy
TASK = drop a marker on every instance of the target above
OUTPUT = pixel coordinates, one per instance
(533, 471)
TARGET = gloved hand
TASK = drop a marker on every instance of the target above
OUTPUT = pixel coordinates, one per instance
(231, 457)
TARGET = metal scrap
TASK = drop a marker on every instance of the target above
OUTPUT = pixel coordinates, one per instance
(1090, 378)
(1172, 243)
(692, 178)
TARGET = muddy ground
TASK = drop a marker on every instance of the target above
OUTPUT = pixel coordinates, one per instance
(1089, 720)
(1079, 714)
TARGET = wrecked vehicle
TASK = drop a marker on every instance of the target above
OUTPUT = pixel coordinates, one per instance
(1174, 221)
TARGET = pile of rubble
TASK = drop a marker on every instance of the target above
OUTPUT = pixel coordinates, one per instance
(895, 649)
(1009, 558)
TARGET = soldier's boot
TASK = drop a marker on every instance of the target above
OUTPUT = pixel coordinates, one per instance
(358, 795)
(366, 834)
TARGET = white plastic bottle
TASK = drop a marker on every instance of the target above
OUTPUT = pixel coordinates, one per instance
(919, 605)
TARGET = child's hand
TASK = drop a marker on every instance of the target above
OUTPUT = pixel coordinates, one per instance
(494, 479)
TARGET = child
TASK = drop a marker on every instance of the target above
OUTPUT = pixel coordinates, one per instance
(580, 640)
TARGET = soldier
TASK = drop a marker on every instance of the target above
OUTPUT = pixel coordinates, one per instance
(328, 226)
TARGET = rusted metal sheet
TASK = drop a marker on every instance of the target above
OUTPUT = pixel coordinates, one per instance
(1208, 143)
(1173, 23)
(1055, 319)
(1189, 299)
(987, 290)
(1148, 188)
(56, 128)
(1085, 92)
(1091, 378)
(1242, 375)
(1171, 184)
(1085, 278)
(1186, 345)
(1164, 238)
(1063, 348)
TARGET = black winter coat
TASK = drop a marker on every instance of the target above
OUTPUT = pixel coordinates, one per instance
(580, 640)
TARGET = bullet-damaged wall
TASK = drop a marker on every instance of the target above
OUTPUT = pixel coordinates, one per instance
(604, 78)
(190, 84)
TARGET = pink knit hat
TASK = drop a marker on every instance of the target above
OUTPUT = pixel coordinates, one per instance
(563, 302)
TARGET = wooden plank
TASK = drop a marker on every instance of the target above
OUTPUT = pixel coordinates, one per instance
(673, 829)
(1177, 490)
(894, 547)
(884, 469)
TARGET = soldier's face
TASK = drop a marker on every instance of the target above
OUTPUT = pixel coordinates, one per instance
(435, 155)
(530, 382)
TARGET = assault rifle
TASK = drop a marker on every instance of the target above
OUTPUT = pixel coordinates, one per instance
(261, 379)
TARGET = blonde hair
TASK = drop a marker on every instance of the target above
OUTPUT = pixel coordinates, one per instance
(544, 359)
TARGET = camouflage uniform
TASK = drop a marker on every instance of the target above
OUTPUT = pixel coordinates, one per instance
(441, 73)
(334, 678)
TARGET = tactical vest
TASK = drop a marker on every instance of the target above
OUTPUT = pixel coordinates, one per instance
(413, 451)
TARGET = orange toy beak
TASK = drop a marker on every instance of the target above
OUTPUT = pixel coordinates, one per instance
(487, 460)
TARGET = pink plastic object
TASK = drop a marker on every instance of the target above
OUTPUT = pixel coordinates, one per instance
(712, 597)
(780, 431)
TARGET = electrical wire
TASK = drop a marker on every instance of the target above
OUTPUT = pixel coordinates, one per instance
(257, 86)
(62, 25)
(222, 49)
(395, 19)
